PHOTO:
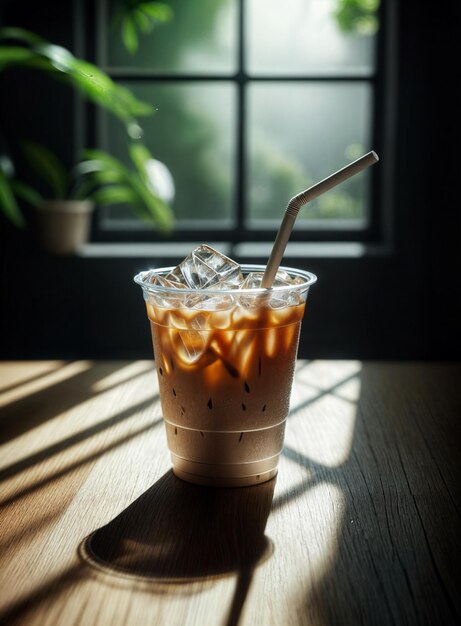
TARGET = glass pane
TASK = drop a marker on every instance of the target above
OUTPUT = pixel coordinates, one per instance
(299, 37)
(193, 134)
(200, 38)
(298, 135)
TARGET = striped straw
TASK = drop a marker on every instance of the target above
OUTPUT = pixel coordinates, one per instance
(292, 210)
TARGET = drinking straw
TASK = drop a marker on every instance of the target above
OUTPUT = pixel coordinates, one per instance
(292, 210)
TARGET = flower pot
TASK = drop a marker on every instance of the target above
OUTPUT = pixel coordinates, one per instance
(64, 225)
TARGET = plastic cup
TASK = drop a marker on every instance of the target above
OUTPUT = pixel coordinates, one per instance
(225, 360)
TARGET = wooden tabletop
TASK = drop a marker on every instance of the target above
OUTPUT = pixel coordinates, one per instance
(361, 526)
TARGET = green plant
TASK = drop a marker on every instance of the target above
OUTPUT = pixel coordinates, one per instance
(59, 63)
(10, 189)
(358, 16)
(138, 16)
(98, 177)
(110, 181)
(106, 181)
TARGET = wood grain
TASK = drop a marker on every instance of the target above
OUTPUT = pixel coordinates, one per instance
(361, 526)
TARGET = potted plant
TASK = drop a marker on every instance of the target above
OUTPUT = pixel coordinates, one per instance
(63, 217)
(64, 214)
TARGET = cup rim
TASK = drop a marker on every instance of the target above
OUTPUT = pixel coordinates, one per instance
(308, 277)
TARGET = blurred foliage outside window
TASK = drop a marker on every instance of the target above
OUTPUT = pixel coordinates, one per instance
(306, 70)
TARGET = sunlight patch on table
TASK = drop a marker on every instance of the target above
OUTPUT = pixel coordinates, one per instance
(99, 420)
(17, 373)
(323, 412)
(55, 376)
(311, 542)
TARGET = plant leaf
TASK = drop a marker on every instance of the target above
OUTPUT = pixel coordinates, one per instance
(105, 168)
(106, 160)
(159, 214)
(153, 209)
(8, 202)
(11, 32)
(129, 34)
(92, 82)
(136, 107)
(27, 193)
(37, 62)
(6, 165)
(110, 176)
(48, 166)
(102, 90)
(99, 171)
(140, 155)
(58, 56)
(14, 55)
(114, 194)
(143, 21)
(160, 11)
(82, 190)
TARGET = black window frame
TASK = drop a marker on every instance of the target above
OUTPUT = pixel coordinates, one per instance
(377, 234)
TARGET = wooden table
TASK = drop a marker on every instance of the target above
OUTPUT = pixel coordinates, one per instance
(361, 526)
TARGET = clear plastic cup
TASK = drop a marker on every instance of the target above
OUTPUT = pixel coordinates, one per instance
(225, 360)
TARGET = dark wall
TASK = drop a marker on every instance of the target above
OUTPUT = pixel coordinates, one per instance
(404, 305)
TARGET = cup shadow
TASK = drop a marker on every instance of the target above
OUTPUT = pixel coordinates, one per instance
(176, 532)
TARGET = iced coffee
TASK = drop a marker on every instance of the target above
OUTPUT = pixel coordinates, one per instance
(225, 352)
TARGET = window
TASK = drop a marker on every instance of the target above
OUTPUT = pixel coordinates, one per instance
(255, 101)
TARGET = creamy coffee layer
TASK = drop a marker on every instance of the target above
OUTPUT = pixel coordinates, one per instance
(233, 375)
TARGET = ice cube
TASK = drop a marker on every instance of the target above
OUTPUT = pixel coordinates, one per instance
(194, 344)
(253, 280)
(206, 268)
(243, 346)
(169, 300)
(189, 334)
(211, 303)
(274, 299)
(286, 298)
(166, 282)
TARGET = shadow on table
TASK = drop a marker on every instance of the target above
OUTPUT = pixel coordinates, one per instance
(176, 537)
(177, 533)
(60, 394)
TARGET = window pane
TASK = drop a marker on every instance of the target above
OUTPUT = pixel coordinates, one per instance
(200, 38)
(193, 134)
(298, 135)
(307, 37)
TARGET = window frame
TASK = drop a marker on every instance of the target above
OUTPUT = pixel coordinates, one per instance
(375, 234)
